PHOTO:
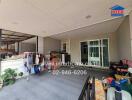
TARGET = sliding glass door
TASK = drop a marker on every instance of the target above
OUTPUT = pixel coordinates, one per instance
(95, 52)
(84, 52)
(105, 52)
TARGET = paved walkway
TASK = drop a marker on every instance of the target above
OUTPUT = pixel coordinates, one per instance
(47, 87)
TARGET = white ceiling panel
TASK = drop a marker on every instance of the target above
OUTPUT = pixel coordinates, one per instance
(49, 17)
(99, 28)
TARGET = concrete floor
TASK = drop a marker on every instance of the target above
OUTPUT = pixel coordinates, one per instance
(48, 87)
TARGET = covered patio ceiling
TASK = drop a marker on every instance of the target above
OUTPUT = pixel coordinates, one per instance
(50, 17)
(106, 27)
(10, 37)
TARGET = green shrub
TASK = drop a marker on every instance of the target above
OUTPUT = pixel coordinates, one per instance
(9, 76)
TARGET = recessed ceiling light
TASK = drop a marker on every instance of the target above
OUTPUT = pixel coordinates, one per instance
(88, 16)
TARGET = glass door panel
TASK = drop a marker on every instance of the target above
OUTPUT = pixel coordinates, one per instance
(105, 53)
(94, 52)
(84, 52)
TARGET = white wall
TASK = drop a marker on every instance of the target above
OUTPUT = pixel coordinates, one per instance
(27, 47)
(130, 22)
(40, 45)
(31, 40)
(124, 40)
(76, 52)
(51, 44)
(45, 45)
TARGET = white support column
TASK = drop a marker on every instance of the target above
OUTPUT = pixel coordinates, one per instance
(41, 45)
